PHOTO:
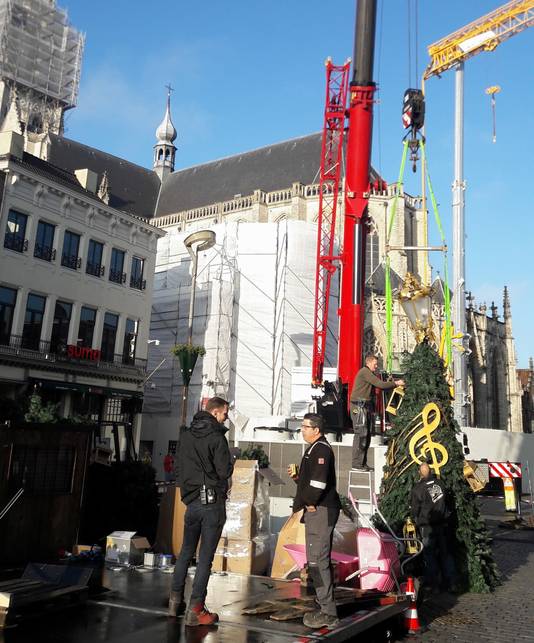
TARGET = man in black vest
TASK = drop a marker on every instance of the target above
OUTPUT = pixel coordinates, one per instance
(430, 512)
(317, 495)
(204, 466)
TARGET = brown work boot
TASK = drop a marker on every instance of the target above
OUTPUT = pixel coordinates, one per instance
(199, 615)
(176, 604)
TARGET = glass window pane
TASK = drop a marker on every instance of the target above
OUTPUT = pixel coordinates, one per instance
(136, 277)
(60, 327)
(8, 299)
(87, 327)
(33, 321)
(71, 245)
(116, 268)
(94, 258)
(16, 231)
(109, 334)
(130, 340)
(44, 241)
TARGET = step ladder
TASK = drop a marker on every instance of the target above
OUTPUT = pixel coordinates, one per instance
(361, 486)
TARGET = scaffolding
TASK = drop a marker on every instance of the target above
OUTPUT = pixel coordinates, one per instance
(40, 50)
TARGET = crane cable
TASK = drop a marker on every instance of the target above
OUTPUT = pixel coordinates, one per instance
(389, 294)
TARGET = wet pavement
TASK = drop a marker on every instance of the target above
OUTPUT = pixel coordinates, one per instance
(133, 609)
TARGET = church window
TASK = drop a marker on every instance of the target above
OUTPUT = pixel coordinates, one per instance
(372, 255)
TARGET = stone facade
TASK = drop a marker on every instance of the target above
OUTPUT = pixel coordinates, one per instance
(495, 394)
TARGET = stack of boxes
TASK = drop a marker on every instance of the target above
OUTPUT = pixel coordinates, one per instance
(244, 545)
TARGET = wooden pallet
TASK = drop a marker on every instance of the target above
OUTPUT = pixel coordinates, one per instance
(287, 609)
(22, 598)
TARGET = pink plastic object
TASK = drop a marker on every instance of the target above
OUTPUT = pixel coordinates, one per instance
(379, 560)
(298, 554)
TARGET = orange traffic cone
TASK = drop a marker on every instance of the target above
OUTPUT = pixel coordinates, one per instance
(411, 619)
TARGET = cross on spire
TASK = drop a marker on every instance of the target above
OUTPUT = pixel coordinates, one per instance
(169, 89)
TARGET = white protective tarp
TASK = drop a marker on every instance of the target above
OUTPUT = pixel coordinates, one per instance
(254, 314)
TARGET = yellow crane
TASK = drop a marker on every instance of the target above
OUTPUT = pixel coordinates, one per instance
(484, 34)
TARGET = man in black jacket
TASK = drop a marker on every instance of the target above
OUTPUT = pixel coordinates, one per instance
(317, 495)
(204, 466)
(430, 512)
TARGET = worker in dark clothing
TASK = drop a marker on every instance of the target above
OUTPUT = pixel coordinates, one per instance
(429, 509)
(204, 466)
(362, 409)
(317, 495)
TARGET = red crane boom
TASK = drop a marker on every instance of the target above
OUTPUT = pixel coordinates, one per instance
(357, 178)
(337, 81)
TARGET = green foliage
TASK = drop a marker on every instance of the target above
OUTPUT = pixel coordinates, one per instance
(40, 414)
(425, 382)
(177, 349)
(255, 452)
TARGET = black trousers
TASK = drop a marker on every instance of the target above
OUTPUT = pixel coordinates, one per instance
(362, 433)
(436, 555)
(202, 523)
(319, 530)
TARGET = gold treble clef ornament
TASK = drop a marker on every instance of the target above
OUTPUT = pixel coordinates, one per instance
(422, 444)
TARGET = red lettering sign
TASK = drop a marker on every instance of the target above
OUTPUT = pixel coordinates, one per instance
(83, 352)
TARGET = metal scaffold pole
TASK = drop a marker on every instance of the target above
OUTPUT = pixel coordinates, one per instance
(458, 222)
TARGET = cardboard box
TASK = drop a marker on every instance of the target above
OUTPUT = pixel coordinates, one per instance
(77, 549)
(244, 481)
(240, 520)
(247, 557)
(292, 533)
(241, 556)
(125, 548)
(170, 531)
(219, 561)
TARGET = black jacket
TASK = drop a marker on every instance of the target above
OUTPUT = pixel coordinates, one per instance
(316, 483)
(429, 503)
(203, 457)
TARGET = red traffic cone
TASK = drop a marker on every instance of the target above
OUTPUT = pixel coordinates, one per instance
(411, 619)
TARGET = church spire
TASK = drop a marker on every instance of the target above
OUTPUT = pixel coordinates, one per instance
(506, 305)
(164, 150)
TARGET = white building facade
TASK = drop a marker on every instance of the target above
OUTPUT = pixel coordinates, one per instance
(75, 290)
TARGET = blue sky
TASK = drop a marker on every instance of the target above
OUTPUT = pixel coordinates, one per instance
(250, 73)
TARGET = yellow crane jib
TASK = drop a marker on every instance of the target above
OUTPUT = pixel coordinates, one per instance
(483, 34)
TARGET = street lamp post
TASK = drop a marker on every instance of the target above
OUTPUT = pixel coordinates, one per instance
(194, 243)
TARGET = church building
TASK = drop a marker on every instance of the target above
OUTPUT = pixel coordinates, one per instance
(254, 294)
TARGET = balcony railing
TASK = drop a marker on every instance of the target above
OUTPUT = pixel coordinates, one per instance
(71, 261)
(15, 242)
(139, 284)
(94, 269)
(30, 349)
(117, 276)
(47, 253)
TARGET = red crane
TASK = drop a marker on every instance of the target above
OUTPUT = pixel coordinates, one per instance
(359, 119)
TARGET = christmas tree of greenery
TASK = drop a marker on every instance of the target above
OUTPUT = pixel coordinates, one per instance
(470, 544)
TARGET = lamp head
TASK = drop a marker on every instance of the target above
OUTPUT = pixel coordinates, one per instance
(200, 240)
(416, 301)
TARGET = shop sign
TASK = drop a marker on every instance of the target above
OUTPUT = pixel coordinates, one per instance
(83, 352)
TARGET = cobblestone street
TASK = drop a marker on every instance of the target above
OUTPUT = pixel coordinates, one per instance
(505, 616)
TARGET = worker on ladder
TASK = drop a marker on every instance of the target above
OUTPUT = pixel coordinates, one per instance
(362, 409)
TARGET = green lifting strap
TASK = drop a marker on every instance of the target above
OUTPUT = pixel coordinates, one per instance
(447, 296)
(389, 296)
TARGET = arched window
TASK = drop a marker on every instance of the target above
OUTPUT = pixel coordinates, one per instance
(160, 155)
